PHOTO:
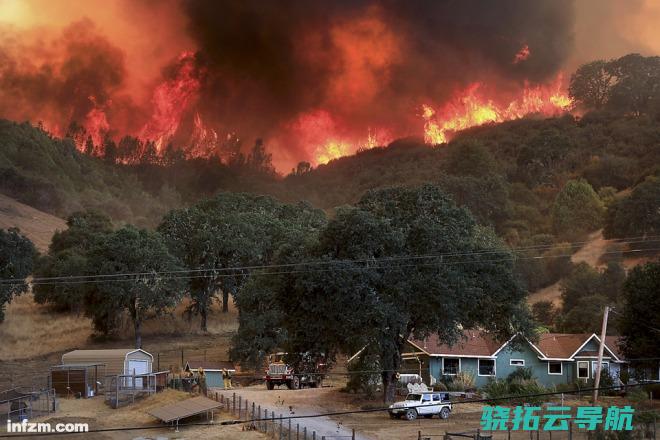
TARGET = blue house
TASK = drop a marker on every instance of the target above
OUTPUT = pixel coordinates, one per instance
(555, 359)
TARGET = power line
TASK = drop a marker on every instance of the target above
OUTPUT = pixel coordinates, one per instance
(154, 275)
(328, 414)
(633, 240)
(637, 321)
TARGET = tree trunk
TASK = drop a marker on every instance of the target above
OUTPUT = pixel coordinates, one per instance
(138, 333)
(203, 312)
(225, 301)
(391, 363)
(389, 386)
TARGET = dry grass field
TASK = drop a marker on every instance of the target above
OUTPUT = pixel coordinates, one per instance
(100, 416)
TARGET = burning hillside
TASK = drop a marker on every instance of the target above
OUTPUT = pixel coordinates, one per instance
(316, 81)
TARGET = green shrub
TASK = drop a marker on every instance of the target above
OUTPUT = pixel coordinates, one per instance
(521, 374)
(497, 389)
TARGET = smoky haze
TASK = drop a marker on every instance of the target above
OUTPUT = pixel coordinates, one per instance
(289, 71)
(274, 60)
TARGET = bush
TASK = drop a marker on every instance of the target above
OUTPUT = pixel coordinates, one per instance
(463, 381)
(521, 374)
(440, 386)
(497, 389)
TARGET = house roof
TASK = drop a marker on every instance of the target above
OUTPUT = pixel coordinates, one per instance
(561, 345)
(613, 343)
(473, 343)
(549, 345)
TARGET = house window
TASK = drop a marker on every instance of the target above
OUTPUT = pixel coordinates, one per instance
(517, 362)
(605, 366)
(486, 367)
(451, 366)
(583, 370)
(554, 368)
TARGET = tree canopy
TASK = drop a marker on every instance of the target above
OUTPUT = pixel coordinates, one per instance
(638, 324)
(223, 235)
(636, 215)
(401, 263)
(577, 210)
(17, 255)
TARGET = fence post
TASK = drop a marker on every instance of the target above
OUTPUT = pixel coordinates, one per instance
(240, 405)
(419, 435)
(570, 430)
(266, 420)
(272, 418)
(259, 423)
(289, 436)
(233, 404)
(313, 435)
(304, 432)
(297, 431)
(252, 413)
(281, 428)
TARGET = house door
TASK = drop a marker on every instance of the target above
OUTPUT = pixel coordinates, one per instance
(137, 367)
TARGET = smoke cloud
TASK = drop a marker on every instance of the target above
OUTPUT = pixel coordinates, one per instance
(297, 73)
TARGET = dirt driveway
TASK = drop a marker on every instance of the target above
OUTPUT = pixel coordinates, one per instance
(368, 425)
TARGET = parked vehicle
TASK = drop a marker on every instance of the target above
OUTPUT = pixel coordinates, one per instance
(310, 371)
(422, 404)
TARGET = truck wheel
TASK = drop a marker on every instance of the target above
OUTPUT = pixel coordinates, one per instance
(295, 383)
(270, 385)
(411, 414)
(444, 413)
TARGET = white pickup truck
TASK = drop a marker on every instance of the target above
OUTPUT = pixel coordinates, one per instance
(426, 404)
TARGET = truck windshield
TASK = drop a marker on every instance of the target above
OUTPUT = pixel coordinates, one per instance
(413, 397)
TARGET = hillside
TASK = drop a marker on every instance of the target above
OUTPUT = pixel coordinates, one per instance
(37, 225)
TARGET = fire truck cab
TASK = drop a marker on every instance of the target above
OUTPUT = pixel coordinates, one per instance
(279, 372)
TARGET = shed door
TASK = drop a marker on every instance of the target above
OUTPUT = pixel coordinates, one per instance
(138, 366)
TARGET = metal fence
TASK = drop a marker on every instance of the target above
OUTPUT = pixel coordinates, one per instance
(272, 424)
(124, 389)
(20, 404)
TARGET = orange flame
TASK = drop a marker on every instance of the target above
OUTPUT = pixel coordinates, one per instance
(170, 100)
(469, 110)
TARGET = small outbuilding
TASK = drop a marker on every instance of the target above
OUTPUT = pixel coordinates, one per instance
(116, 361)
(212, 371)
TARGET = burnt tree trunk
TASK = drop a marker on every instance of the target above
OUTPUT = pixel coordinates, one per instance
(225, 301)
(137, 325)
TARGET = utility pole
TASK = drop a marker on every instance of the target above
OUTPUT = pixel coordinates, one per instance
(601, 347)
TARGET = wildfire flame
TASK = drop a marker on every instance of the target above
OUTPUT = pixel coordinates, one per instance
(170, 101)
(468, 109)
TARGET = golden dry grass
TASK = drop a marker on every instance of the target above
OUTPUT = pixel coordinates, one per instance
(99, 415)
(31, 330)
(36, 225)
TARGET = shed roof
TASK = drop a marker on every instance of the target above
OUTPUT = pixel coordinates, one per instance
(183, 409)
(111, 353)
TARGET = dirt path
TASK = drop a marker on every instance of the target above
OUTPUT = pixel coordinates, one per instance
(590, 253)
(296, 403)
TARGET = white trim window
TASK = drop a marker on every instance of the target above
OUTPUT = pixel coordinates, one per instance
(486, 367)
(583, 366)
(555, 368)
(605, 366)
(517, 362)
(451, 366)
